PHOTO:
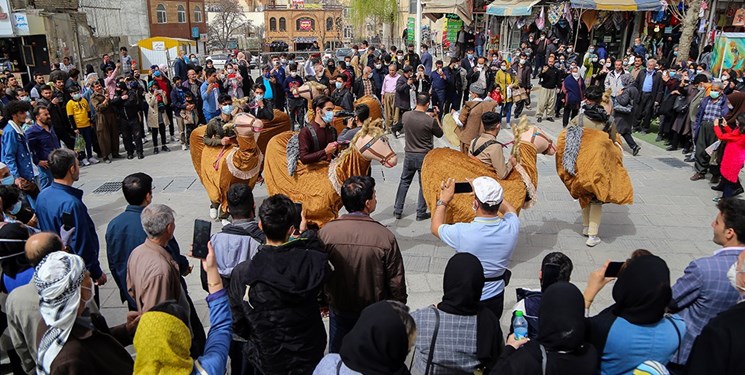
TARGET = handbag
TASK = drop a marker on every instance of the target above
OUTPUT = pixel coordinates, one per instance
(622, 108)
(79, 143)
(681, 104)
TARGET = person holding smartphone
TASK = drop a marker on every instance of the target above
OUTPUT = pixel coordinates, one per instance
(210, 91)
(489, 237)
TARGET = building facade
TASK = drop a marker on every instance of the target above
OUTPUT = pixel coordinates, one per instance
(185, 19)
(296, 28)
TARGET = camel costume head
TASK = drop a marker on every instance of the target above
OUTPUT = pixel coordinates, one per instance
(309, 91)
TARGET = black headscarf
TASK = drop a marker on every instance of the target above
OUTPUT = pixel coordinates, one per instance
(642, 291)
(561, 318)
(595, 112)
(13, 238)
(462, 285)
(378, 343)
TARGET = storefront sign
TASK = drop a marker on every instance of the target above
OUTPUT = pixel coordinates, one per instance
(6, 26)
(20, 21)
(298, 4)
(159, 46)
(195, 32)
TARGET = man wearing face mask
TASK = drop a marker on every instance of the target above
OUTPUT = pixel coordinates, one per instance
(523, 72)
(405, 90)
(550, 79)
(650, 85)
(215, 135)
(571, 55)
(365, 85)
(540, 54)
(341, 95)
(317, 140)
(295, 103)
(469, 61)
(703, 291)
(710, 112)
(209, 91)
(719, 348)
(412, 57)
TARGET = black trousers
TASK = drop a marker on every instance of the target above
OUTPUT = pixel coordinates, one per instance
(131, 135)
(570, 111)
(495, 304)
(645, 109)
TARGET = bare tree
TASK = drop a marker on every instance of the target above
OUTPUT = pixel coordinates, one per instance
(229, 22)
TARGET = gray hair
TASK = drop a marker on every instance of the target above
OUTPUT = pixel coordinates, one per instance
(155, 218)
(717, 83)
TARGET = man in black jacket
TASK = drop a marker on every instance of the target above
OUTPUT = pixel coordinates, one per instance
(365, 84)
(274, 295)
(404, 89)
(550, 79)
(127, 104)
(341, 95)
(649, 83)
(258, 107)
(60, 123)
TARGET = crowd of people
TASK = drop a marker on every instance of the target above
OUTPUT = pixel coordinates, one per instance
(271, 277)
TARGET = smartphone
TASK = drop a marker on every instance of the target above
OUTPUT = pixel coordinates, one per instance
(202, 230)
(67, 221)
(463, 187)
(613, 269)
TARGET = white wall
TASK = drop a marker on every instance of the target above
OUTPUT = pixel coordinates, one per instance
(117, 18)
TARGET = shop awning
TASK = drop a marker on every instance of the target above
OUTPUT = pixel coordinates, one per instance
(511, 8)
(436, 9)
(618, 5)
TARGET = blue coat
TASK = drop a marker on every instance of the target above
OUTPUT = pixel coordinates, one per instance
(57, 199)
(123, 234)
(215, 356)
(16, 155)
(41, 142)
(209, 101)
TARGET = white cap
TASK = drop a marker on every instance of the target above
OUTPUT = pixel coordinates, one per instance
(488, 190)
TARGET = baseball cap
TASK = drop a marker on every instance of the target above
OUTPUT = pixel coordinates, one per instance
(488, 190)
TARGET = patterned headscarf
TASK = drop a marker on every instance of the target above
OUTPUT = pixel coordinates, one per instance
(57, 280)
(162, 343)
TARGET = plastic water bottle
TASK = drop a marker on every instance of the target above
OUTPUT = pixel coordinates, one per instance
(520, 326)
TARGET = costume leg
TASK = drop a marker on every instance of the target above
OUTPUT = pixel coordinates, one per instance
(595, 214)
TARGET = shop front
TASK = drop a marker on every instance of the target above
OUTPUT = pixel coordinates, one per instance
(23, 44)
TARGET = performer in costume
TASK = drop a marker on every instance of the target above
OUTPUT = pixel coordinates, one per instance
(589, 161)
(488, 150)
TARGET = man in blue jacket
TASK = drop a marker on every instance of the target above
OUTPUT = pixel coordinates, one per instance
(209, 91)
(15, 151)
(439, 78)
(62, 205)
(41, 141)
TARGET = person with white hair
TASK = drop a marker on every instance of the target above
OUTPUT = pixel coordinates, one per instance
(70, 343)
(710, 112)
(490, 238)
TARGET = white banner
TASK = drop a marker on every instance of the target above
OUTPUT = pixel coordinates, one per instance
(6, 26)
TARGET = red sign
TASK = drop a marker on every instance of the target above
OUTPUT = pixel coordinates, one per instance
(298, 4)
(306, 25)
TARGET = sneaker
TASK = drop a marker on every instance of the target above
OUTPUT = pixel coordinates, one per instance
(140, 156)
(636, 150)
(184, 148)
(689, 159)
(86, 162)
(130, 156)
(585, 230)
(93, 160)
(551, 119)
(107, 161)
(698, 176)
(156, 151)
(592, 241)
(397, 215)
(225, 222)
(426, 216)
(539, 119)
(213, 213)
(165, 148)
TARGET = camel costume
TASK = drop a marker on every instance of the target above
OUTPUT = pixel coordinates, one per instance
(376, 112)
(470, 117)
(220, 167)
(317, 185)
(519, 185)
(590, 164)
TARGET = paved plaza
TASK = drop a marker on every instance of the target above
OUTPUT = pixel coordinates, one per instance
(670, 216)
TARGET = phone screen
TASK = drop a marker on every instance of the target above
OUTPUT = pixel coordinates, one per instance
(613, 269)
(201, 237)
(463, 187)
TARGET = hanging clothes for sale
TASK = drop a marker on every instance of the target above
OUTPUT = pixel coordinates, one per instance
(554, 13)
(540, 22)
(568, 14)
(618, 20)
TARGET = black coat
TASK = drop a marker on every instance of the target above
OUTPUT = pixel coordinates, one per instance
(403, 100)
(657, 86)
(719, 347)
(359, 88)
(282, 322)
(625, 121)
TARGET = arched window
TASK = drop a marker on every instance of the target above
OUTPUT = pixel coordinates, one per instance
(272, 24)
(197, 14)
(282, 24)
(329, 24)
(160, 13)
(305, 24)
(181, 14)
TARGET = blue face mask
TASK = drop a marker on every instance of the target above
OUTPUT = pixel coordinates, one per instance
(16, 208)
(338, 85)
(227, 109)
(8, 180)
(714, 94)
(157, 73)
(672, 74)
(328, 116)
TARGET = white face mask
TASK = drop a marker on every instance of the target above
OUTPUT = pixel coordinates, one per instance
(293, 74)
(732, 276)
(575, 75)
(378, 66)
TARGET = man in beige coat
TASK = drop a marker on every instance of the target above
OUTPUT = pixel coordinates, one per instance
(468, 118)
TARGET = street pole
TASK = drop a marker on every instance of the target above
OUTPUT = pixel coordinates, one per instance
(418, 27)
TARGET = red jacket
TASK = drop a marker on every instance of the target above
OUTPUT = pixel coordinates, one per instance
(734, 151)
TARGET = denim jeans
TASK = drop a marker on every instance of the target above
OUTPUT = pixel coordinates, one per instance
(87, 134)
(506, 111)
(412, 165)
(339, 326)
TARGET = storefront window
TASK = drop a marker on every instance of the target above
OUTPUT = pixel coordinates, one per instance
(160, 12)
